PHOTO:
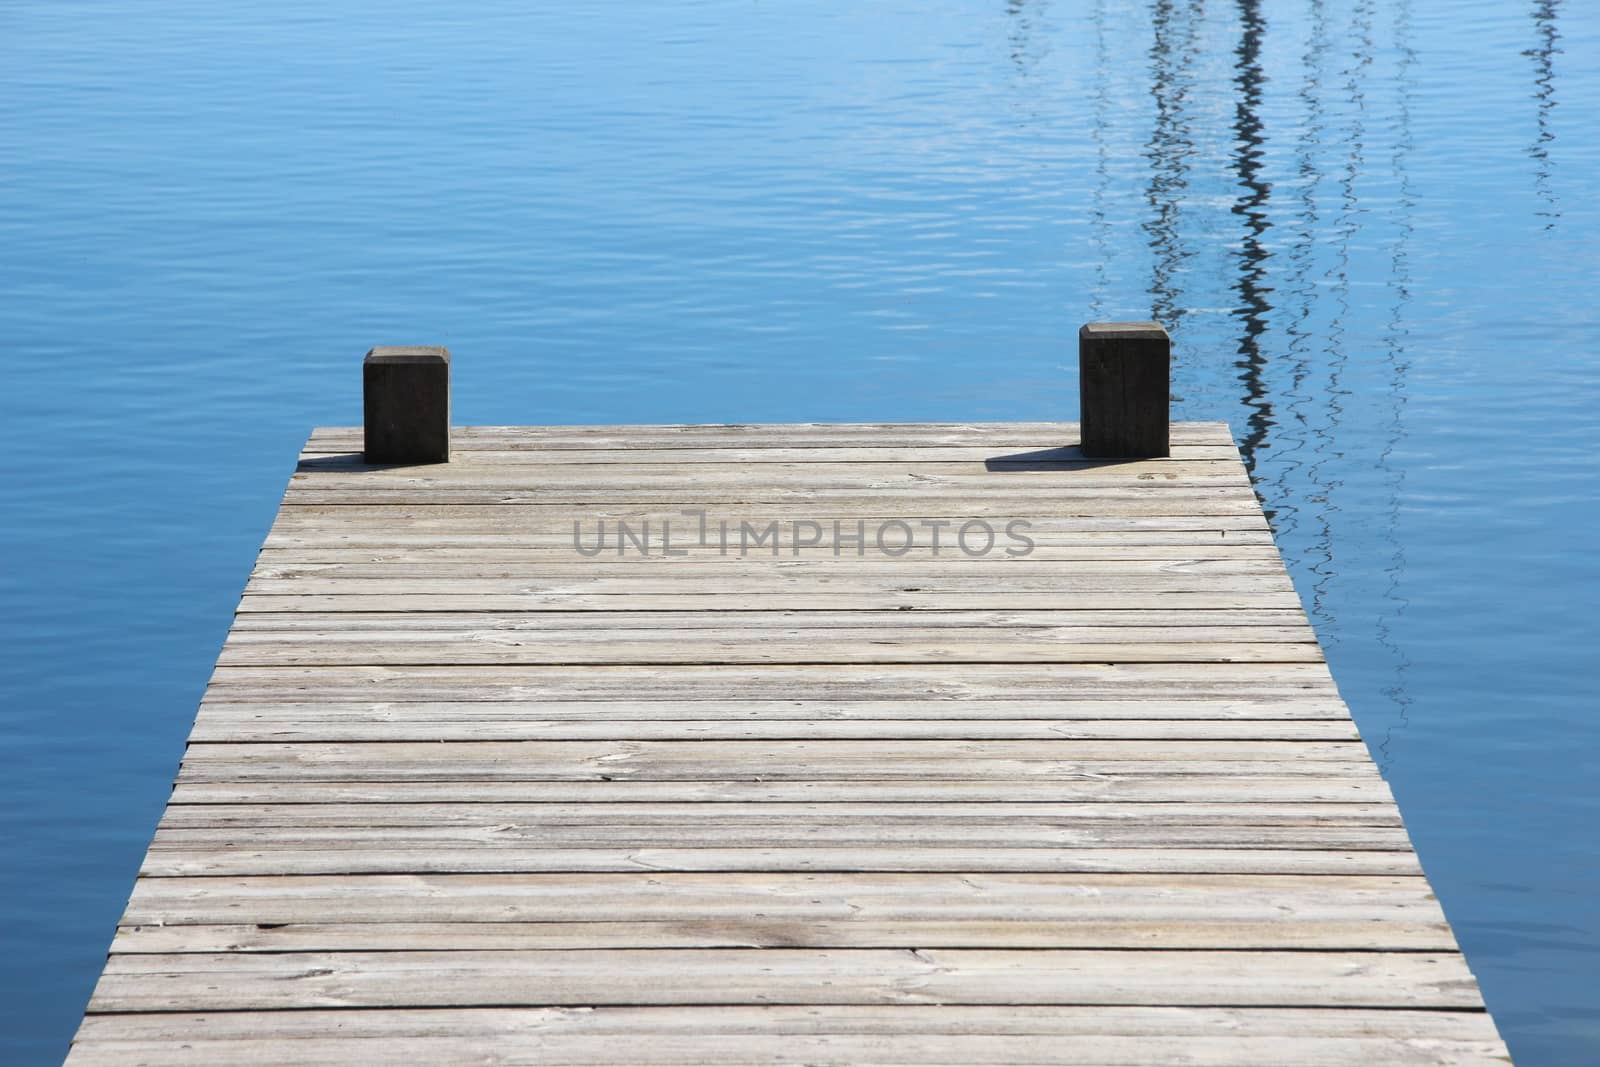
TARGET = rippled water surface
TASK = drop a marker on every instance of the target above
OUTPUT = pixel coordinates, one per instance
(1370, 227)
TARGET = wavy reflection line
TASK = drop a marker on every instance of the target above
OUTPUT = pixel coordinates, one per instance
(1028, 49)
(1172, 55)
(1346, 225)
(1250, 284)
(1394, 337)
(1099, 225)
(1544, 92)
(1289, 448)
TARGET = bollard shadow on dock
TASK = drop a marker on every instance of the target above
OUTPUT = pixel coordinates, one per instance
(1067, 457)
(349, 461)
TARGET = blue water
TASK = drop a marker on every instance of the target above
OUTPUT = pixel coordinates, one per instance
(1369, 226)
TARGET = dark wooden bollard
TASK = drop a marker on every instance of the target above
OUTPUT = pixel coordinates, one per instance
(1124, 385)
(406, 396)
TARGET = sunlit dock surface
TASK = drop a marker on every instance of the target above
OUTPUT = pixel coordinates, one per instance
(760, 776)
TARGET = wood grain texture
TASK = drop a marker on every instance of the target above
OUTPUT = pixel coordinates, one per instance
(233, 981)
(735, 1034)
(457, 793)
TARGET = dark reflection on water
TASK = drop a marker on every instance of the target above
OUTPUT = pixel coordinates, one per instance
(1393, 338)
(1297, 290)
(1543, 55)
(1251, 207)
(1099, 197)
(1368, 226)
(1172, 56)
(1028, 47)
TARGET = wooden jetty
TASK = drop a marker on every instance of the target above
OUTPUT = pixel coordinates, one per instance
(778, 781)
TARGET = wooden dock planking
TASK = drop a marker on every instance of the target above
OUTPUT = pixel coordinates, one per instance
(457, 794)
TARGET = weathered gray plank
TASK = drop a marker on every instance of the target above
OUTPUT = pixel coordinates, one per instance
(246, 981)
(709, 582)
(1083, 787)
(292, 549)
(765, 564)
(896, 1020)
(383, 858)
(1179, 930)
(773, 712)
(761, 1050)
(671, 815)
(761, 760)
(798, 831)
(1018, 502)
(489, 453)
(686, 597)
(946, 1034)
(923, 682)
(226, 722)
(1143, 624)
(335, 648)
(1059, 524)
(638, 896)
(1030, 435)
(815, 471)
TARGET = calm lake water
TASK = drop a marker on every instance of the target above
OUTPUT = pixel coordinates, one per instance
(1371, 228)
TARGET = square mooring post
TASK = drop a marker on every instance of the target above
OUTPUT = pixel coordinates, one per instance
(1124, 386)
(406, 398)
